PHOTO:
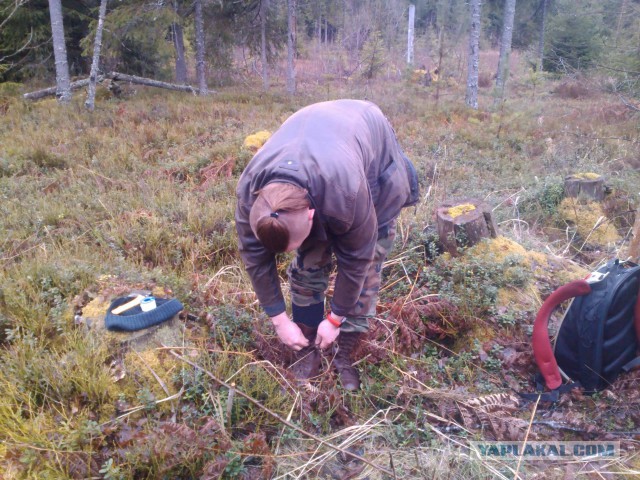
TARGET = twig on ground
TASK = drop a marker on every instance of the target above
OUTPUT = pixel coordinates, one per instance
(230, 395)
(223, 271)
(293, 405)
(497, 473)
(445, 420)
(393, 468)
(279, 418)
(356, 433)
(281, 379)
(431, 392)
(601, 220)
(142, 407)
(160, 381)
(526, 437)
(570, 240)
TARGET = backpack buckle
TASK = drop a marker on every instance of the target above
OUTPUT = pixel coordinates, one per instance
(596, 277)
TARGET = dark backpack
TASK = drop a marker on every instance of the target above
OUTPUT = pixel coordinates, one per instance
(599, 334)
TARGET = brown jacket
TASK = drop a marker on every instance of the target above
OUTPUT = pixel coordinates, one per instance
(346, 155)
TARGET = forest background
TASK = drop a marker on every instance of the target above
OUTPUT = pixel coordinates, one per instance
(133, 189)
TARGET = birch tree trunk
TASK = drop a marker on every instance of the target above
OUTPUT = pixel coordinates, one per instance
(291, 47)
(177, 33)
(471, 98)
(545, 4)
(440, 56)
(178, 44)
(201, 67)
(63, 81)
(326, 31)
(505, 48)
(412, 16)
(621, 14)
(264, 11)
(90, 102)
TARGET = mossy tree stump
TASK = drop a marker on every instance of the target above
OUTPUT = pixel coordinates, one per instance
(463, 224)
(589, 185)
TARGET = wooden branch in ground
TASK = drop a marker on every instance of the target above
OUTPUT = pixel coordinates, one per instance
(634, 246)
(628, 104)
(115, 76)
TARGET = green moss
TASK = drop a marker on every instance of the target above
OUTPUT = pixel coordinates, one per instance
(590, 222)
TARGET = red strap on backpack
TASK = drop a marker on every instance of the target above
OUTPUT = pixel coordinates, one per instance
(542, 350)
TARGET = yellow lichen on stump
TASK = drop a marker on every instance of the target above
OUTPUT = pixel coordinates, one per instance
(255, 141)
(590, 222)
(587, 176)
(458, 210)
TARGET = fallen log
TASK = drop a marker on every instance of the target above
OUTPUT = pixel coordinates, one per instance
(149, 82)
(115, 76)
(48, 92)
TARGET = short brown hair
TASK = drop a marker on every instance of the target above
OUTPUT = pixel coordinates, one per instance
(277, 215)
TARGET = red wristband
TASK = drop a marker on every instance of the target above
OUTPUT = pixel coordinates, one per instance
(333, 321)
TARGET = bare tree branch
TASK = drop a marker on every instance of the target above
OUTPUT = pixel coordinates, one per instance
(20, 49)
(628, 103)
(631, 72)
(17, 5)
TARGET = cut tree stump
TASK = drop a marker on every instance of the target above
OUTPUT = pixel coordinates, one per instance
(464, 223)
(588, 185)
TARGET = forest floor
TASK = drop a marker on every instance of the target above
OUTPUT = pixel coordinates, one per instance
(139, 195)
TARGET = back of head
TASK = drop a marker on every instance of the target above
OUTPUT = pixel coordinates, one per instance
(279, 216)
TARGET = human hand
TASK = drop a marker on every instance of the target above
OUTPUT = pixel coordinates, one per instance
(327, 334)
(288, 332)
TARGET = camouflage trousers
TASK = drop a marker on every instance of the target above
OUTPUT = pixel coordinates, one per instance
(310, 270)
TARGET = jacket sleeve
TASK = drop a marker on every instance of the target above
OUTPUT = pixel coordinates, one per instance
(354, 252)
(260, 265)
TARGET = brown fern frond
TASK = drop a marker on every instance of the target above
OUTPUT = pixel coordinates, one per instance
(498, 402)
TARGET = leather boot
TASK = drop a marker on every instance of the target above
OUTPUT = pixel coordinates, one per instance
(306, 365)
(343, 360)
